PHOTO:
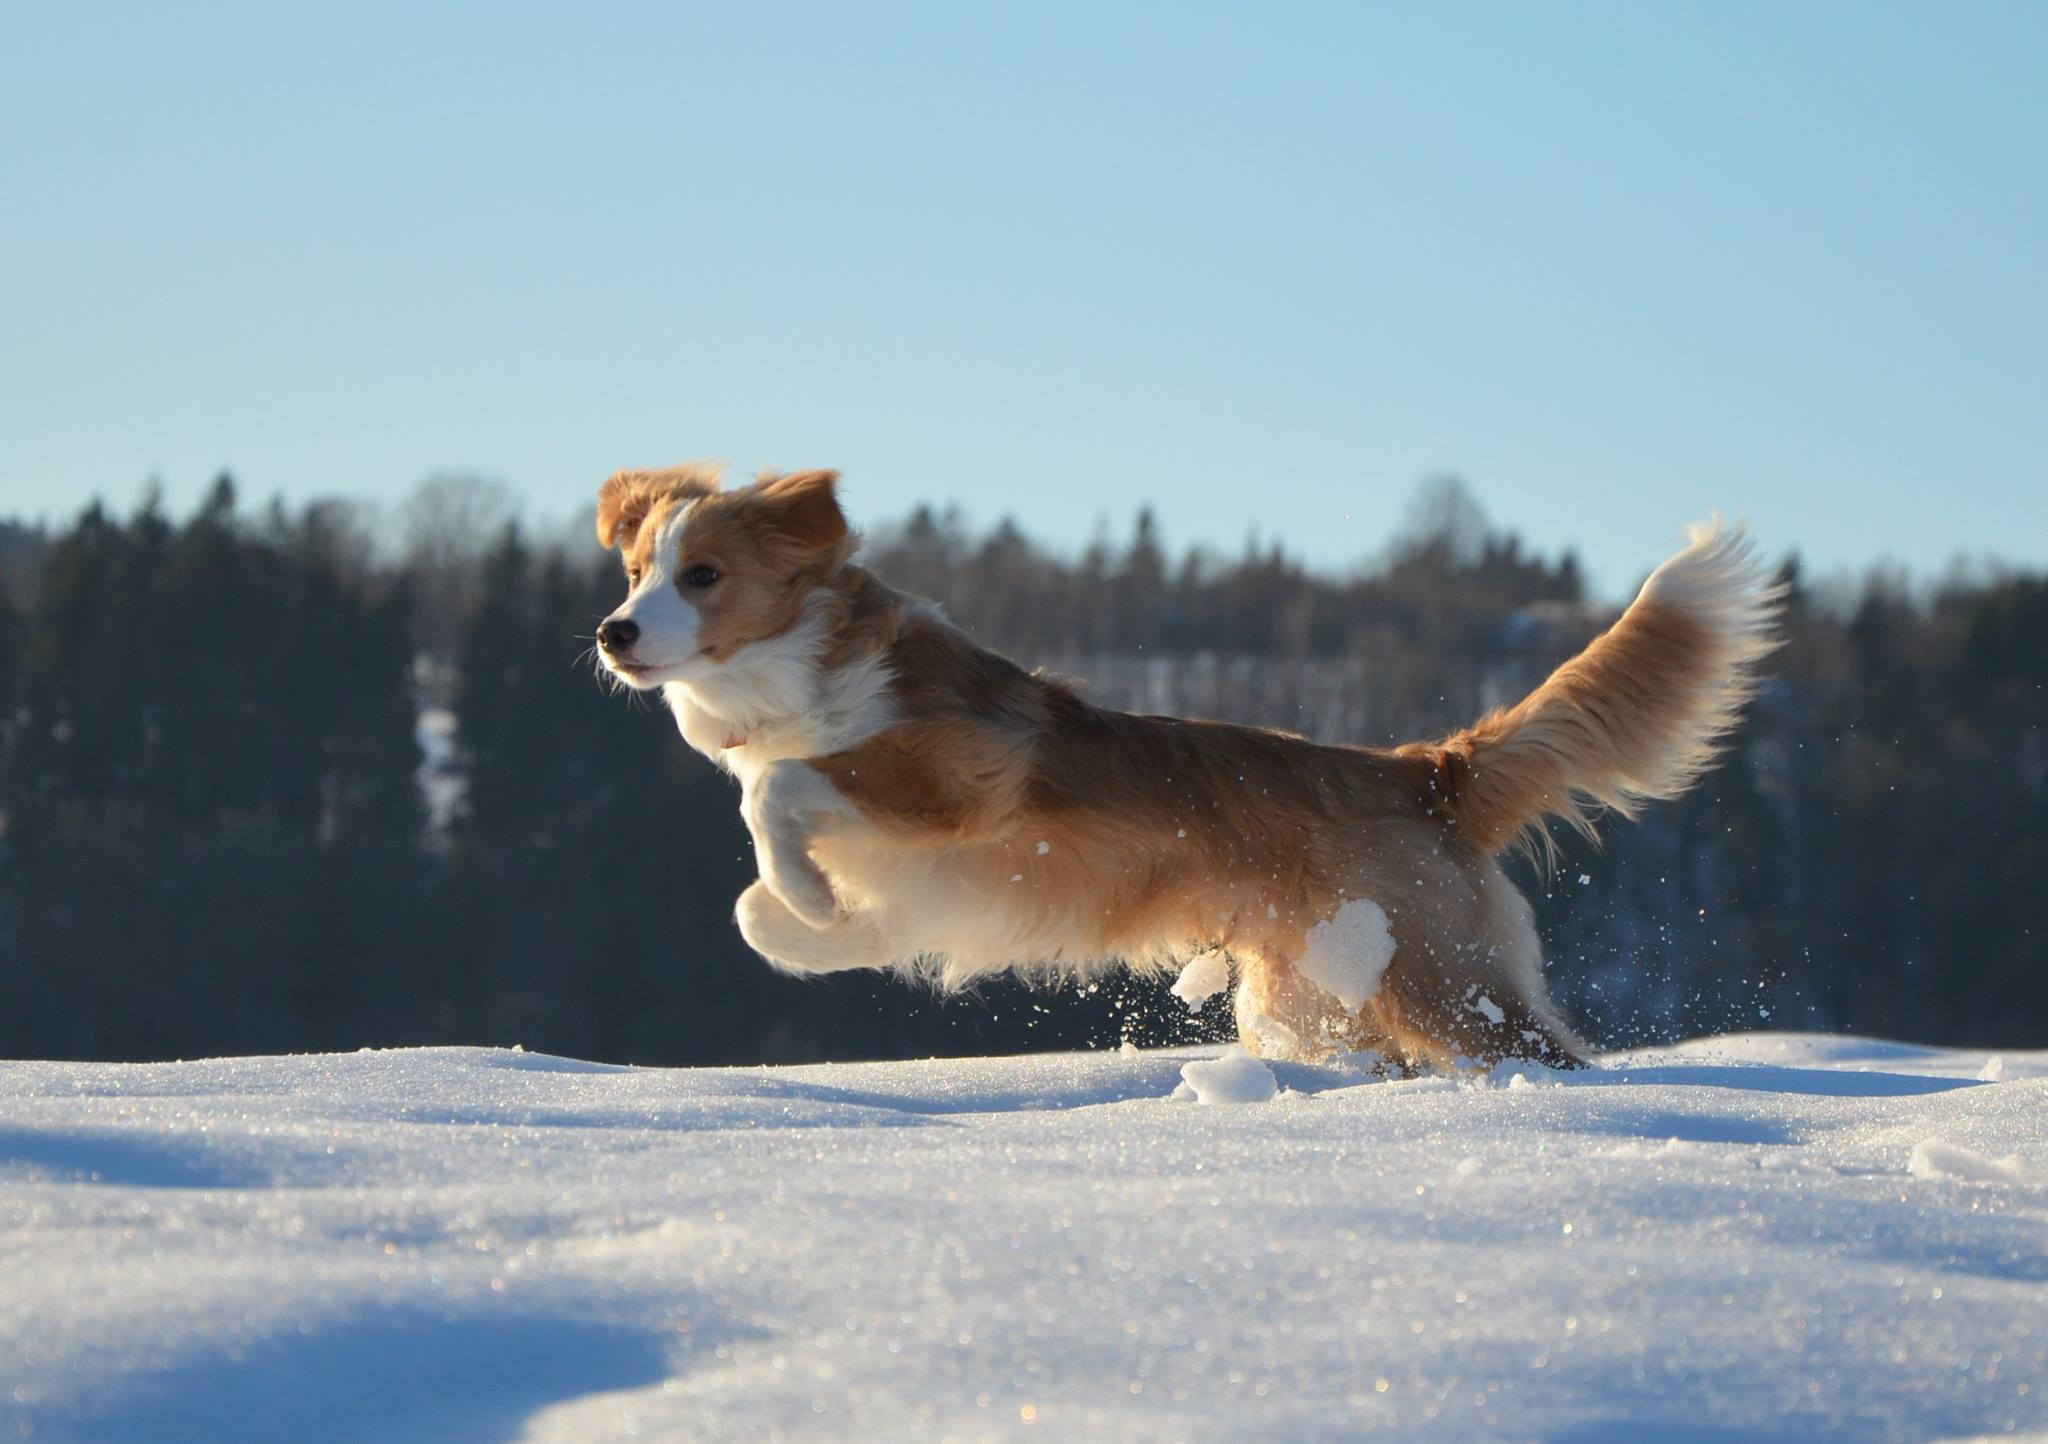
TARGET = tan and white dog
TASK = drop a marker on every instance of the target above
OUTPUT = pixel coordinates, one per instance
(919, 803)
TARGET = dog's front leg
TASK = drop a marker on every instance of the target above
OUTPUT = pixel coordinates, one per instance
(794, 946)
(784, 810)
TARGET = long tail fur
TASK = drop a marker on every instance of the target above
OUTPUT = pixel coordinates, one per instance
(1638, 716)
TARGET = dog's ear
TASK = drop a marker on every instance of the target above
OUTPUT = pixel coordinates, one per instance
(622, 504)
(805, 506)
(624, 501)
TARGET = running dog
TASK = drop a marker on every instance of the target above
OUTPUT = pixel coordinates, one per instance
(921, 804)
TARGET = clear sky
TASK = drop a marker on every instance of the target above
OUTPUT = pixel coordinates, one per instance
(1260, 265)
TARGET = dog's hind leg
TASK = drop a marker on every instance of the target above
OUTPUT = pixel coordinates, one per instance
(1279, 1013)
(850, 941)
(1454, 1017)
(1465, 986)
(1461, 983)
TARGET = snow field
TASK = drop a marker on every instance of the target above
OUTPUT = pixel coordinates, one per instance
(1771, 1236)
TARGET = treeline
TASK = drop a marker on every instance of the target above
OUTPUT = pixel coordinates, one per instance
(268, 785)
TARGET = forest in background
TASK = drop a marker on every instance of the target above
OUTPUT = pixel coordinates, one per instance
(281, 780)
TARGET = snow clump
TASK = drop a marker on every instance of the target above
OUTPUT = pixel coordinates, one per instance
(1235, 1077)
(1206, 975)
(1934, 1159)
(1347, 953)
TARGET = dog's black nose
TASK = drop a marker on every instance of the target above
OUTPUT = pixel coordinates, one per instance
(618, 634)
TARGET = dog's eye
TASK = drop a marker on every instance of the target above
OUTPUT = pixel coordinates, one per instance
(632, 576)
(701, 576)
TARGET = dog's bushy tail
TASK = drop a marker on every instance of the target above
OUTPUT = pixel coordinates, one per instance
(1638, 716)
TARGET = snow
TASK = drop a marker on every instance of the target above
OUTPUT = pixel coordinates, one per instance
(1347, 952)
(1236, 1077)
(1933, 1158)
(1206, 975)
(1773, 1236)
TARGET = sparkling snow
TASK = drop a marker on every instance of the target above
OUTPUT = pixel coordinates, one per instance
(1763, 1237)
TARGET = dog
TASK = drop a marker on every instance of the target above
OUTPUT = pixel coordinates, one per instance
(920, 804)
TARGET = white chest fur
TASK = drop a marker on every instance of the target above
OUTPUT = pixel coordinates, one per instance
(775, 700)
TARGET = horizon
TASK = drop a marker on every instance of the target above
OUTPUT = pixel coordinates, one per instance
(382, 523)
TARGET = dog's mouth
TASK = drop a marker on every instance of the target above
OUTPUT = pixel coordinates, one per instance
(634, 670)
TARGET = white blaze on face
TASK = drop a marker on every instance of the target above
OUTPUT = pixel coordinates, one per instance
(668, 624)
(1345, 955)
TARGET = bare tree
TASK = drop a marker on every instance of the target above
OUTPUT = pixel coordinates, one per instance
(448, 523)
(1444, 514)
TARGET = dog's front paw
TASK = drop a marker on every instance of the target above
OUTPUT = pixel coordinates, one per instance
(768, 925)
(805, 891)
(794, 946)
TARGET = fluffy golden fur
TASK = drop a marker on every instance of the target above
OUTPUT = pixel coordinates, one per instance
(920, 803)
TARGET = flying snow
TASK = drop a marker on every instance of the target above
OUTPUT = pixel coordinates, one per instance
(1206, 975)
(1347, 953)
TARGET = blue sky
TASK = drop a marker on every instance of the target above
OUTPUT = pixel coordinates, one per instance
(1263, 267)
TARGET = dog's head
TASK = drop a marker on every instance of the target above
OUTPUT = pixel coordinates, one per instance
(710, 572)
